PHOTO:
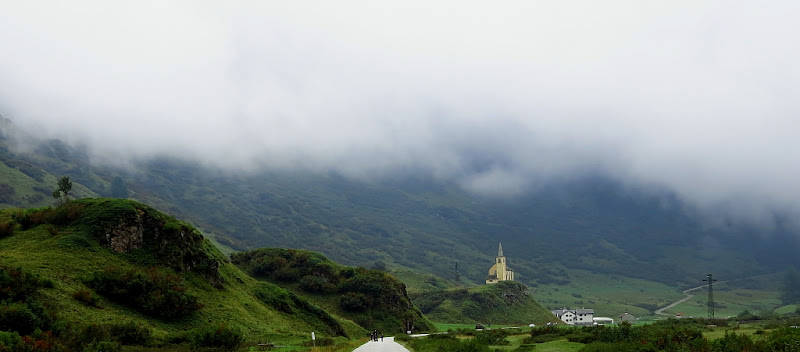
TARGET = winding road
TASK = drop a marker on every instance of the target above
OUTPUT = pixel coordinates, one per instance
(689, 295)
(684, 299)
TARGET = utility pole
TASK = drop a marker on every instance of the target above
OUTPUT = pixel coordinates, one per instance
(710, 296)
(458, 275)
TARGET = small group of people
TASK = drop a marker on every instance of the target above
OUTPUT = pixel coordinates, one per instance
(374, 336)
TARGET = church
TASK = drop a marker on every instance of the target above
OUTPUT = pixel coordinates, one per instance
(499, 271)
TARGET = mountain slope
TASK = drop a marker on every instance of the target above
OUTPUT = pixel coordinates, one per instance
(587, 223)
(121, 261)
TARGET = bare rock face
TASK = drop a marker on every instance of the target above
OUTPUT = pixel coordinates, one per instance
(170, 243)
(127, 235)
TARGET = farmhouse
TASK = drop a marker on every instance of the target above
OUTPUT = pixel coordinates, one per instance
(581, 316)
(499, 271)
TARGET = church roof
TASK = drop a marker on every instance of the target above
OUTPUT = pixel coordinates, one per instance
(500, 250)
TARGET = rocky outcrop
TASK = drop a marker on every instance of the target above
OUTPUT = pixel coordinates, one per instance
(164, 240)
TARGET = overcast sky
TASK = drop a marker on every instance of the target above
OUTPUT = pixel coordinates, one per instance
(698, 96)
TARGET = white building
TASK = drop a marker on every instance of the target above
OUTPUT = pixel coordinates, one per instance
(581, 316)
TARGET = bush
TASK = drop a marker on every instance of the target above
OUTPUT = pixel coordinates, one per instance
(7, 228)
(64, 214)
(8, 340)
(85, 297)
(89, 334)
(491, 337)
(152, 292)
(40, 341)
(274, 297)
(224, 338)
(17, 285)
(353, 302)
(31, 217)
(17, 317)
(59, 216)
(130, 333)
(103, 346)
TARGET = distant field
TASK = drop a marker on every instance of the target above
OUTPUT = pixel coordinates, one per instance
(612, 295)
(563, 345)
(757, 295)
(609, 295)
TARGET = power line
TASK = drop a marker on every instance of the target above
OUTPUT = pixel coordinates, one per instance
(710, 296)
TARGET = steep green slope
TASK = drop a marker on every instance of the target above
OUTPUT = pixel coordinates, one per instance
(121, 261)
(373, 299)
(506, 302)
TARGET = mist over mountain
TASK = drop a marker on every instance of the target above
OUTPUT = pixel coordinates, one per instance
(591, 223)
(502, 101)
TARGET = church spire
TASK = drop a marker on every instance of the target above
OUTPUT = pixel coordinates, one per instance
(500, 250)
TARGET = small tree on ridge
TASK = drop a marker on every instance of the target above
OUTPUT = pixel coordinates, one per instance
(63, 188)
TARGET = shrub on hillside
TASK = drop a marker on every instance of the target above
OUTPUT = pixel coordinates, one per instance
(313, 283)
(17, 317)
(62, 215)
(38, 342)
(7, 228)
(16, 285)
(9, 340)
(222, 337)
(31, 217)
(85, 297)
(354, 302)
(130, 333)
(152, 291)
(274, 297)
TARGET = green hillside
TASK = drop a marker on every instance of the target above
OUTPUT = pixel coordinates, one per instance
(414, 226)
(506, 303)
(371, 298)
(93, 265)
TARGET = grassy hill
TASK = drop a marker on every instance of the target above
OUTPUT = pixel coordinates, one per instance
(94, 264)
(372, 298)
(507, 303)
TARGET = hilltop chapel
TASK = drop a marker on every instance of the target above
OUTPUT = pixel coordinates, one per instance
(499, 271)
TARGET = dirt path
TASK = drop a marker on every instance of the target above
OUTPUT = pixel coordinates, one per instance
(684, 299)
(689, 295)
(387, 345)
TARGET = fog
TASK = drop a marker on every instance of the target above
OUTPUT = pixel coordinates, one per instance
(699, 97)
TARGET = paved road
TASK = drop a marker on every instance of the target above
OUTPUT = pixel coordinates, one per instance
(387, 345)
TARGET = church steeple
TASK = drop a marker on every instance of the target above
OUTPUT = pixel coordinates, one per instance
(499, 271)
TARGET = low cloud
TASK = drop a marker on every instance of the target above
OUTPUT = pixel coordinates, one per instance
(698, 97)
